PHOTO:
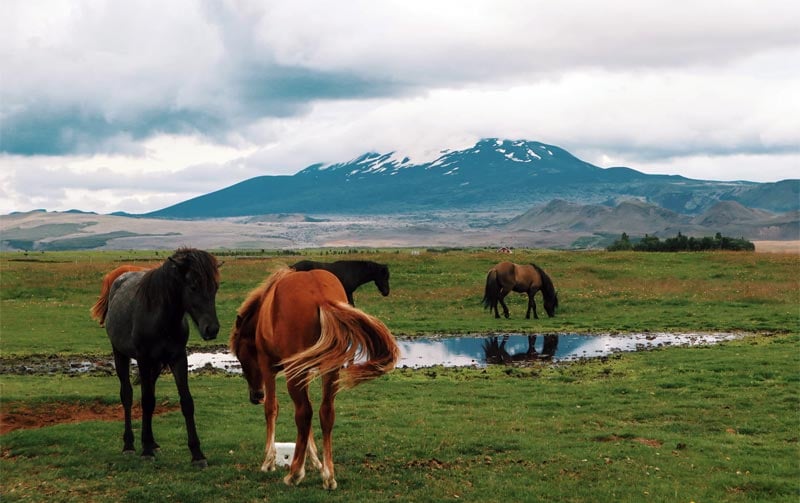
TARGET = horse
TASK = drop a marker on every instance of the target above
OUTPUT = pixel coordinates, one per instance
(299, 323)
(352, 274)
(145, 320)
(508, 277)
(98, 310)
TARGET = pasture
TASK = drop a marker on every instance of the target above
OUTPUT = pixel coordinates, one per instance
(702, 424)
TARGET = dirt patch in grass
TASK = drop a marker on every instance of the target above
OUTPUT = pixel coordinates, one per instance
(17, 416)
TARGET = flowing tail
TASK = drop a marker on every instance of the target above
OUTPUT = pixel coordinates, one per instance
(347, 334)
(492, 291)
(100, 308)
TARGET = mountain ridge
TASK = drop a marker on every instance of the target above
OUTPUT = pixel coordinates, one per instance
(493, 175)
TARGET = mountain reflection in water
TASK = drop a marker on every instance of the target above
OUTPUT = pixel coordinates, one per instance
(472, 351)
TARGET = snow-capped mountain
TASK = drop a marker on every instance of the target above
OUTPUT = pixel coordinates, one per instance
(492, 175)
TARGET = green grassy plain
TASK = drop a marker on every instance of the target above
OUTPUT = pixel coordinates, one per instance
(716, 423)
(45, 297)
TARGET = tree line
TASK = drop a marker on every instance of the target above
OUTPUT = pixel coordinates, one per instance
(681, 243)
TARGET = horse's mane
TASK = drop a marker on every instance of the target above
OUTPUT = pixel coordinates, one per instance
(161, 284)
(548, 288)
(252, 303)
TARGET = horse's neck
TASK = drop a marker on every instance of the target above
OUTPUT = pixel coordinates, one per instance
(365, 272)
(162, 292)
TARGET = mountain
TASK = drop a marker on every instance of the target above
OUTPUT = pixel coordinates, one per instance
(633, 217)
(494, 176)
(637, 219)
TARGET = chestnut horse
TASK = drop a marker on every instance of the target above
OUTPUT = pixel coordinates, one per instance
(301, 324)
(101, 306)
(507, 277)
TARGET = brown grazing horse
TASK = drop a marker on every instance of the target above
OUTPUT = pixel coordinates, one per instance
(101, 306)
(300, 323)
(507, 277)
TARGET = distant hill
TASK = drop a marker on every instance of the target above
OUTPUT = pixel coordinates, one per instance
(493, 175)
(636, 219)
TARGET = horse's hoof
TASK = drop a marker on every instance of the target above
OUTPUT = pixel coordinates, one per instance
(268, 467)
(148, 457)
(128, 452)
(200, 463)
(329, 484)
(294, 478)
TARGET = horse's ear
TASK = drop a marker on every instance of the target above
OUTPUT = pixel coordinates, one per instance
(181, 264)
(220, 264)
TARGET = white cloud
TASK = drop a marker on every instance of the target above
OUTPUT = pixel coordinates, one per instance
(171, 100)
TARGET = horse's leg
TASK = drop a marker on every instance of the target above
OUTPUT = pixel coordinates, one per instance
(180, 370)
(531, 345)
(503, 303)
(327, 416)
(311, 451)
(532, 300)
(123, 364)
(270, 414)
(148, 374)
(302, 419)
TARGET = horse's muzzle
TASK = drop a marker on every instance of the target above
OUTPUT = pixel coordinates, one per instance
(256, 397)
(210, 332)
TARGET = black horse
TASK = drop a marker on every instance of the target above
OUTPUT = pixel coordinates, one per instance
(145, 320)
(352, 274)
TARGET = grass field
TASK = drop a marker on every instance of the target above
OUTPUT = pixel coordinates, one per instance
(45, 298)
(718, 423)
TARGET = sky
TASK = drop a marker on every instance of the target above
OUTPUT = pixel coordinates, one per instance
(134, 106)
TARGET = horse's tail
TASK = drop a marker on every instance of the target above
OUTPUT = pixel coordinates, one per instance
(548, 289)
(346, 334)
(492, 291)
(100, 308)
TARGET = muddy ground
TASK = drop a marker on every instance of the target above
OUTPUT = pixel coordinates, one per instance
(16, 416)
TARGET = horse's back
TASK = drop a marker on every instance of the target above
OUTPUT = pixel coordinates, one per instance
(504, 269)
(307, 265)
(121, 302)
(289, 318)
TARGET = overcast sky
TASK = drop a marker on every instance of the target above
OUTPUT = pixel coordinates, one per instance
(135, 106)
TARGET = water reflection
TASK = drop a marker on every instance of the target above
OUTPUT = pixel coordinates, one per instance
(478, 351)
(508, 348)
(495, 352)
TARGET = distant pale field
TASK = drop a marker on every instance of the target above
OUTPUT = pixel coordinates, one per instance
(777, 246)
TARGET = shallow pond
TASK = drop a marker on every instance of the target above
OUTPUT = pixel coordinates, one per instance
(479, 351)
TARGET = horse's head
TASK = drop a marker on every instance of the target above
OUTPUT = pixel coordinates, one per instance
(551, 303)
(382, 279)
(243, 345)
(199, 271)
